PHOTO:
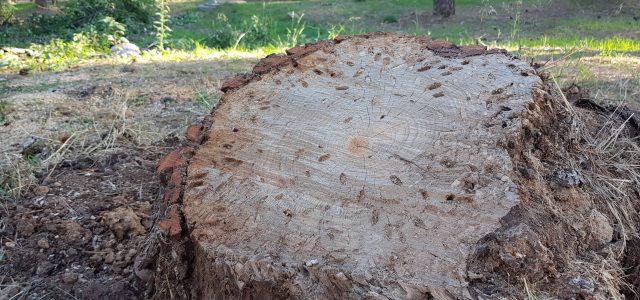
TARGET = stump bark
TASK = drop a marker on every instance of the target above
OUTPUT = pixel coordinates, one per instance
(376, 166)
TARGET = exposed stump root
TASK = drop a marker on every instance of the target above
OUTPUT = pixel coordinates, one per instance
(386, 166)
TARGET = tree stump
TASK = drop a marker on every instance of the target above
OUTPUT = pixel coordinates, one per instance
(369, 166)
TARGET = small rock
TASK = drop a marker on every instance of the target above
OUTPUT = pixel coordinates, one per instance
(44, 268)
(74, 232)
(10, 244)
(96, 258)
(43, 243)
(599, 228)
(109, 257)
(341, 277)
(10, 292)
(125, 48)
(124, 222)
(569, 178)
(583, 284)
(72, 252)
(210, 4)
(69, 277)
(130, 255)
(120, 256)
(41, 190)
(311, 263)
(25, 228)
(50, 226)
(32, 146)
(574, 89)
(240, 284)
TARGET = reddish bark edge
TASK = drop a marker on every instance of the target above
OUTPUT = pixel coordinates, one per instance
(172, 169)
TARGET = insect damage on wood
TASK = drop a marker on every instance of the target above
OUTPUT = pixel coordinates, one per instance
(373, 171)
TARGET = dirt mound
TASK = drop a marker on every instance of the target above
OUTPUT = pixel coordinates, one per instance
(389, 166)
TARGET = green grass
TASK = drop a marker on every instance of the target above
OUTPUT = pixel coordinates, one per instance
(321, 17)
(583, 25)
(22, 7)
(606, 47)
(611, 35)
(205, 100)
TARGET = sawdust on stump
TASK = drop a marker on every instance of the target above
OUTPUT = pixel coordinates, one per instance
(380, 166)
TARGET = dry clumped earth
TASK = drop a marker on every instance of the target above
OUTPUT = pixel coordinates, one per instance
(80, 149)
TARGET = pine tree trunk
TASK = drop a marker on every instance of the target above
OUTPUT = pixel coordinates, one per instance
(444, 8)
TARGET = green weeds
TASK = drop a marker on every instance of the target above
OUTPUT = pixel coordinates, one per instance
(5, 109)
(161, 24)
(206, 101)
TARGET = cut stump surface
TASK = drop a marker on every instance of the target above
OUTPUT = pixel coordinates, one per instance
(369, 166)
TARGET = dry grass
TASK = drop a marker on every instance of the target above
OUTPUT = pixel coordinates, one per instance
(615, 173)
(613, 157)
(609, 159)
(609, 272)
(609, 79)
(95, 111)
(96, 139)
(531, 291)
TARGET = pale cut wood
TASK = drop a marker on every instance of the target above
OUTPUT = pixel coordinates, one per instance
(368, 168)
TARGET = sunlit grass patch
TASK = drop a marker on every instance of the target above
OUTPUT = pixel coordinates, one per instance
(591, 25)
(204, 53)
(22, 7)
(615, 46)
(60, 55)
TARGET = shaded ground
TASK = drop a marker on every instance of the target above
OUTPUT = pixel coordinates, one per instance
(614, 79)
(79, 169)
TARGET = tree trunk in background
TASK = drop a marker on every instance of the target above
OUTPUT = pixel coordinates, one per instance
(42, 3)
(444, 8)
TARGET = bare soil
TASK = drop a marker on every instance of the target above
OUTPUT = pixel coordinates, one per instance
(78, 235)
(80, 149)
